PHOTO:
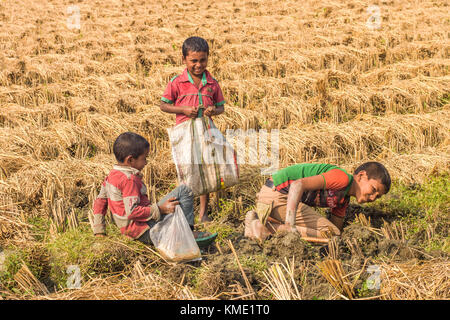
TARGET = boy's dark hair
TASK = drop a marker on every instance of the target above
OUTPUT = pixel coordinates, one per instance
(129, 143)
(376, 170)
(195, 44)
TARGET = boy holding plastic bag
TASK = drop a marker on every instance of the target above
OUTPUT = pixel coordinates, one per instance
(124, 192)
(194, 94)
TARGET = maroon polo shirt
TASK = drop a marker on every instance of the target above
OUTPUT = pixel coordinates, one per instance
(181, 91)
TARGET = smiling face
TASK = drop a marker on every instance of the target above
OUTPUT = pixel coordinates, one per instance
(367, 190)
(196, 62)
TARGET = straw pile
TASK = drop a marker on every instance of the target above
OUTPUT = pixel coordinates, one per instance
(416, 281)
(138, 285)
(282, 287)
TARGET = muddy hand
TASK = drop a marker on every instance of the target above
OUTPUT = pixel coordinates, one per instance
(169, 206)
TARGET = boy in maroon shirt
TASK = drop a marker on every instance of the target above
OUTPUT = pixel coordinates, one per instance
(194, 93)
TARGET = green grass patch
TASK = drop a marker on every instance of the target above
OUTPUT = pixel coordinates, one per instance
(35, 256)
(220, 224)
(256, 263)
(423, 209)
(93, 256)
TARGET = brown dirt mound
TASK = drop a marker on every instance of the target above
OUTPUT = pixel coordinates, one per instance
(290, 244)
(366, 239)
(219, 276)
(372, 245)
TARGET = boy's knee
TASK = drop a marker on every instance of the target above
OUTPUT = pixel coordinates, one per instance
(185, 191)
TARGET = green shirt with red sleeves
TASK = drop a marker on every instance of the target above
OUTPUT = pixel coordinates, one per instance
(181, 91)
(334, 195)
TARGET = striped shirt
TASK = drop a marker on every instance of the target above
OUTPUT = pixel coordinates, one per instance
(126, 196)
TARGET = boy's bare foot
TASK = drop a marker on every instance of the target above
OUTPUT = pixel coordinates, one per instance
(249, 217)
(259, 230)
(254, 229)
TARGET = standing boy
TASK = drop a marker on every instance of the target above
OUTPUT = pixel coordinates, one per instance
(284, 202)
(126, 195)
(194, 93)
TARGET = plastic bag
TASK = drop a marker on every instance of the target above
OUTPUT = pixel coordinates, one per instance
(204, 160)
(173, 238)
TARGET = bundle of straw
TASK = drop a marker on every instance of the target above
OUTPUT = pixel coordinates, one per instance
(333, 271)
(28, 282)
(282, 287)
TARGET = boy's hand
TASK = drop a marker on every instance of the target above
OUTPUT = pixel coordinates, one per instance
(287, 227)
(210, 111)
(169, 206)
(100, 235)
(191, 112)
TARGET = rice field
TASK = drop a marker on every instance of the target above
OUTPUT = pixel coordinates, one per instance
(343, 82)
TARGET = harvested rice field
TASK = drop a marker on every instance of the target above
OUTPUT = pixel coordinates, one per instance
(341, 82)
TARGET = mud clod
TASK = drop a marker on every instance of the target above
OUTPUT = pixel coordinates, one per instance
(290, 244)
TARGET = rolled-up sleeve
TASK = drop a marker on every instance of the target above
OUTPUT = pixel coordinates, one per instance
(170, 94)
(219, 100)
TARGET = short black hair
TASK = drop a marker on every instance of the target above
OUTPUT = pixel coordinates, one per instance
(129, 143)
(195, 44)
(376, 170)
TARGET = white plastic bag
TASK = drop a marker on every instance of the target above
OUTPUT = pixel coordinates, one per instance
(173, 238)
(204, 160)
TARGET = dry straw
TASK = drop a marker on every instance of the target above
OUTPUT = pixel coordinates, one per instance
(427, 280)
(141, 284)
(333, 271)
(12, 224)
(281, 282)
(338, 92)
(28, 282)
(250, 292)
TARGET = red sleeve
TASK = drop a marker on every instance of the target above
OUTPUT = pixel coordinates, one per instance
(99, 211)
(100, 206)
(101, 203)
(219, 100)
(171, 93)
(131, 194)
(335, 179)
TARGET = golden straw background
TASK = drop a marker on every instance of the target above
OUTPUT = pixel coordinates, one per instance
(338, 91)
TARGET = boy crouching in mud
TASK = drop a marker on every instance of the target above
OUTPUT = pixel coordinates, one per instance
(126, 195)
(284, 202)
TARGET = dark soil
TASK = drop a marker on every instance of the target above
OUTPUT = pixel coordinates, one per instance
(220, 271)
(290, 244)
(373, 245)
